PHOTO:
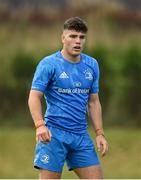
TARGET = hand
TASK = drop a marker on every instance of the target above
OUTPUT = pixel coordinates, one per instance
(102, 144)
(43, 134)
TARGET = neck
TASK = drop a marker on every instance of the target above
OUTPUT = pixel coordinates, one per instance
(70, 57)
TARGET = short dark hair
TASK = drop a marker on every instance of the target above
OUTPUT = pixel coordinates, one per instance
(77, 24)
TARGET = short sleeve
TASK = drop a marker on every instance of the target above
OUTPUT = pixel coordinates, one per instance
(95, 85)
(42, 76)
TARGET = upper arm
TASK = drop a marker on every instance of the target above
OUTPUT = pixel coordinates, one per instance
(35, 94)
(93, 99)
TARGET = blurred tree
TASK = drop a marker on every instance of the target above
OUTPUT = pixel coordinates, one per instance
(23, 68)
(101, 55)
(132, 72)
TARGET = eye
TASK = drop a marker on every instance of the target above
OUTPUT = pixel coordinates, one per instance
(73, 36)
(82, 37)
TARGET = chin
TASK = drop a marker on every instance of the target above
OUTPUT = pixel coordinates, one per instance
(76, 54)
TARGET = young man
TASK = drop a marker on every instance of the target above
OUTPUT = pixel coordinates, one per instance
(69, 81)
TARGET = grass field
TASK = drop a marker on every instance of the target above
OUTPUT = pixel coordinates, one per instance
(122, 161)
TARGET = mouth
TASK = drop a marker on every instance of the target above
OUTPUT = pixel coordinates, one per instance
(77, 48)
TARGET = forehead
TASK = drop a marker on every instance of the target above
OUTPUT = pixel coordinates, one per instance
(73, 32)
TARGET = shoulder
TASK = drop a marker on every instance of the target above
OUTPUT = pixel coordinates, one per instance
(48, 61)
(89, 61)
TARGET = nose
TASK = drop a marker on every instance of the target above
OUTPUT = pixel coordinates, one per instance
(78, 40)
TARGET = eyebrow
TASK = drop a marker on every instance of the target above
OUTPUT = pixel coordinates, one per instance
(75, 35)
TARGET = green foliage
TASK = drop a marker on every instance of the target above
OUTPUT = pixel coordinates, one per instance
(23, 66)
(100, 53)
(14, 99)
(120, 73)
(132, 74)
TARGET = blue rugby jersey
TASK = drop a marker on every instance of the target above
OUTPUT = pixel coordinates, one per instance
(66, 87)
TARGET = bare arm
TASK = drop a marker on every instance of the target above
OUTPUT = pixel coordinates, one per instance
(95, 114)
(35, 106)
(95, 111)
(34, 102)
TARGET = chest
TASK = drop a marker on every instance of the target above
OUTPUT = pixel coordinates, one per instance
(73, 76)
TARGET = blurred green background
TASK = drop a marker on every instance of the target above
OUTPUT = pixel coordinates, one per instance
(30, 30)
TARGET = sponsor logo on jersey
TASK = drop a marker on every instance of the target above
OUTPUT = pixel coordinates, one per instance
(73, 91)
(63, 75)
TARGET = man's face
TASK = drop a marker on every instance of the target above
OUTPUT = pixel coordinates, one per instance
(73, 42)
